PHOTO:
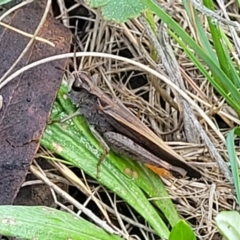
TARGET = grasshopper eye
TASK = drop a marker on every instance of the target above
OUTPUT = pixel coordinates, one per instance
(77, 85)
(74, 82)
(80, 81)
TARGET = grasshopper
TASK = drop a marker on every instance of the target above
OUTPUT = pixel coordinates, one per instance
(123, 132)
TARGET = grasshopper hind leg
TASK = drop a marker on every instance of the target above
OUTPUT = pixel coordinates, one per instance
(103, 144)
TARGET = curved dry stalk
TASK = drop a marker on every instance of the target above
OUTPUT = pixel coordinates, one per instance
(33, 37)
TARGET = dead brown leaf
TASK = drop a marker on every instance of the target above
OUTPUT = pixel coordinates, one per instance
(28, 99)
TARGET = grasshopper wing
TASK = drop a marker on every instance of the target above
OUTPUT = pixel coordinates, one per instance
(128, 124)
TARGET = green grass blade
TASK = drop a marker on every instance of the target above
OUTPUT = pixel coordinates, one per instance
(205, 72)
(233, 159)
(223, 55)
(201, 32)
(221, 78)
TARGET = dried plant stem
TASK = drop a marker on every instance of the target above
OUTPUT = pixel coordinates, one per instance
(215, 17)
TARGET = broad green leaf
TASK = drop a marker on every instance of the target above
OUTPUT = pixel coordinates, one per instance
(182, 231)
(45, 223)
(118, 10)
(97, 3)
(228, 223)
